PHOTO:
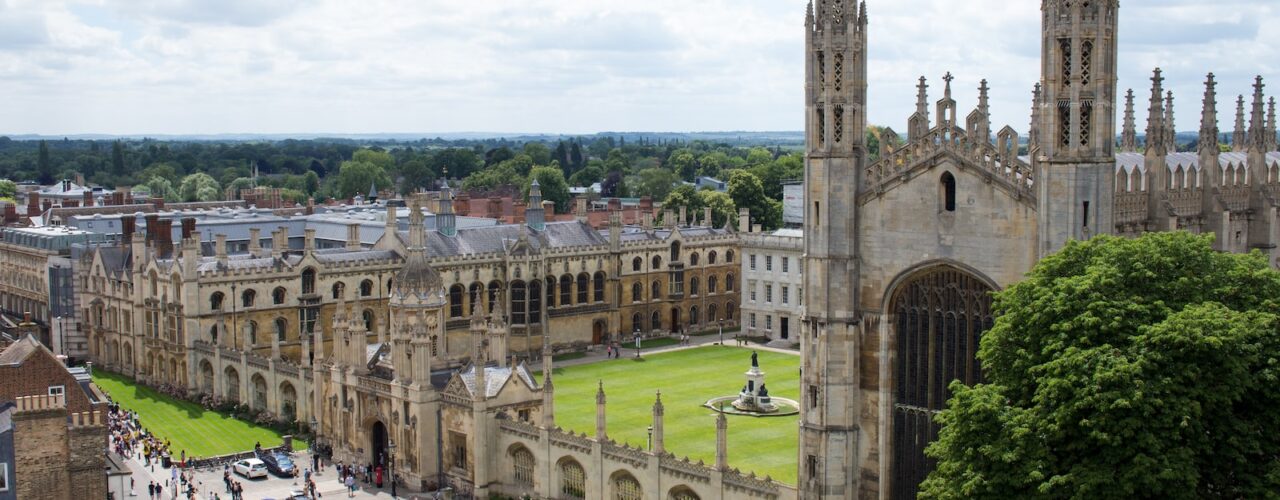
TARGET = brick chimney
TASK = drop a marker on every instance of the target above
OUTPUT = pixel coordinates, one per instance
(615, 204)
(495, 208)
(117, 198)
(10, 214)
(158, 202)
(153, 228)
(255, 241)
(164, 237)
(33, 204)
(188, 227)
(549, 208)
(353, 237)
(128, 224)
(88, 199)
(220, 247)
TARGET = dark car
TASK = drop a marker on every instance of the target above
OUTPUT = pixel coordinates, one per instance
(278, 463)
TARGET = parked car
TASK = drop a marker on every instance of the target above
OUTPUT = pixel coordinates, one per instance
(250, 468)
(277, 463)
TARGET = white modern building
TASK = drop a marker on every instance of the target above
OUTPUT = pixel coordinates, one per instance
(771, 276)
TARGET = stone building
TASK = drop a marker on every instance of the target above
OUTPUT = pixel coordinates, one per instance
(39, 281)
(901, 254)
(361, 336)
(772, 292)
(54, 425)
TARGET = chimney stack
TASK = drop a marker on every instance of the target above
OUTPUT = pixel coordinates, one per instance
(153, 228)
(158, 202)
(462, 204)
(353, 237)
(309, 240)
(33, 204)
(164, 238)
(683, 221)
(128, 224)
(276, 248)
(255, 241)
(188, 227)
(744, 220)
(220, 247)
(706, 217)
(88, 199)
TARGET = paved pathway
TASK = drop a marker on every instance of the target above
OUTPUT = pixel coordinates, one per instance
(598, 354)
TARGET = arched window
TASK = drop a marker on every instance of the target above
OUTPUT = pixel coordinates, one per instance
(518, 303)
(683, 493)
(637, 292)
(728, 311)
(597, 287)
(729, 282)
(551, 291)
(248, 297)
(655, 321)
(308, 281)
(215, 301)
(636, 263)
(477, 295)
(522, 467)
(693, 285)
(712, 283)
(566, 290)
(282, 327)
(573, 480)
(657, 263)
(277, 295)
(366, 288)
(368, 317)
(948, 189)
(339, 289)
(213, 334)
(711, 312)
(728, 257)
(455, 301)
(259, 392)
(711, 257)
(582, 288)
(635, 322)
(251, 329)
(625, 487)
(535, 302)
(655, 292)
(693, 259)
(693, 316)
(675, 251)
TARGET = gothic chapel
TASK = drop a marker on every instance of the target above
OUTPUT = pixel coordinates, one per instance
(903, 252)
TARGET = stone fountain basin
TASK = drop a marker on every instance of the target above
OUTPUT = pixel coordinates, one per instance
(724, 404)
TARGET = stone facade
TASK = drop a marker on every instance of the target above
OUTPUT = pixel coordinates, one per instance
(772, 296)
(901, 254)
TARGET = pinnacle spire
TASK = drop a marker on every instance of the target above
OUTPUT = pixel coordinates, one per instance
(984, 104)
(1240, 135)
(1271, 125)
(922, 98)
(1129, 136)
(1209, 117)
(946, 92)
(1257, 130)
(1033, 133)
(1171, 134)
(1155, 115)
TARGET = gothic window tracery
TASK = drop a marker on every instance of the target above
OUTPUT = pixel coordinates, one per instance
(1064, 123)
(1086, 121)
(573, 479)
(839, 72)
(939, 317)
(1086, 61)
(838, 124)
(522, 465)
(1065, 48)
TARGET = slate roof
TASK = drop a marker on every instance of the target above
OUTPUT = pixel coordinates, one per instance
(18, 352)
(495, 377)
(497, 239)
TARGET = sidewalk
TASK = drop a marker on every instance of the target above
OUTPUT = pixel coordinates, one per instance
(598, 354)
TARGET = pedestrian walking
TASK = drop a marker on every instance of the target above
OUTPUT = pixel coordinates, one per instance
(351, 486)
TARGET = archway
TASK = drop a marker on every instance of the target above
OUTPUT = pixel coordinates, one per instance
(378, 442)
(938, 314)
(232, 384)
(206, 376)
(675, 319)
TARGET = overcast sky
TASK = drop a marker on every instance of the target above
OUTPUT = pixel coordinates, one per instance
(556, 66)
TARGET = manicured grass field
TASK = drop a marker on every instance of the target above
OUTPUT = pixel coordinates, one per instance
(187, 426)
(687, 379)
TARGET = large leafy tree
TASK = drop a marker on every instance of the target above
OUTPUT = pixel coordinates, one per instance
(355, 177)
(554, 187)
(654, 182)
(1123, 368)
(747, 191)
(199, 187)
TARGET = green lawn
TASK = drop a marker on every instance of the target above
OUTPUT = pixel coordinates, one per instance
(687, 379)
(187, 426)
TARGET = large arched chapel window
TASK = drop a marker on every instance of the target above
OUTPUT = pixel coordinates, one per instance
(948, 192)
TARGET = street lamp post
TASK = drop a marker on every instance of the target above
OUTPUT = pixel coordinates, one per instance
(391, 465)
(637, 345)
(721, 323)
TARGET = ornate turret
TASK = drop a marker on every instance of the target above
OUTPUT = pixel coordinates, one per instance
(1170, 129)
(418, 278)
(446, 221)
(535, 216)
(1240, 137)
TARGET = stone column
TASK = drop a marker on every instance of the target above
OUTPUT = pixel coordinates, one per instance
(722, 444)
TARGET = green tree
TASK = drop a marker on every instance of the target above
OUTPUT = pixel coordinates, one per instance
(722, 208)
(684, 195)
(654, 182)
(1123, 368)
(355, 177)
(44, 166)
(538, 152)
(586, 177)
(239, 184)
(8, 189)
(683, 163)
(501, 175)
(117, 159)
(161, 188)
(457, 162)
(416, 174)
(381, 159)
(199, 187)
(712, 164)
(554, 188)
(747, 191)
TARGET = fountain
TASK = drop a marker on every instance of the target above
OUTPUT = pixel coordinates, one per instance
(754, 399)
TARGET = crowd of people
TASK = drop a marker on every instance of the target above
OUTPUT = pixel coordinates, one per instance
(129, 439)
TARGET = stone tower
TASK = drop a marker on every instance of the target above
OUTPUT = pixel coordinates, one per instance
(835, 101)
(1075, 165)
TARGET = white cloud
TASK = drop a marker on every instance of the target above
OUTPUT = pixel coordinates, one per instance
(208, 66)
